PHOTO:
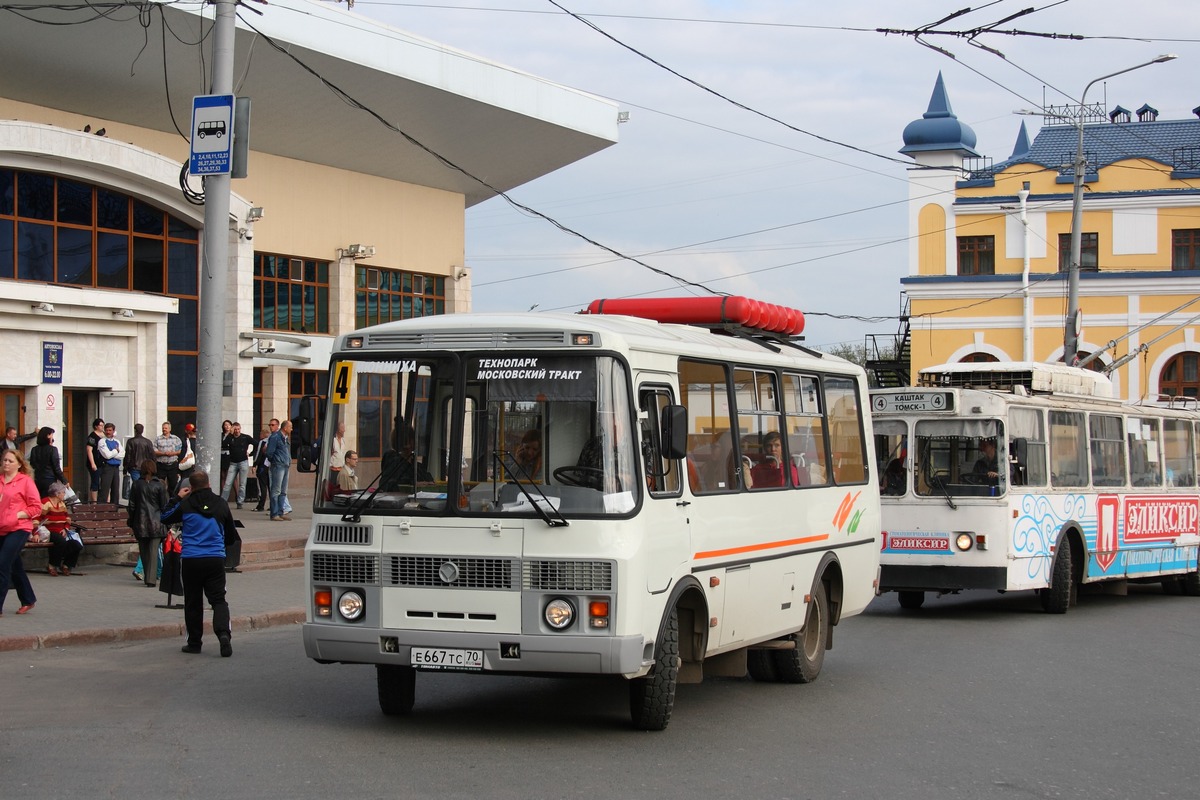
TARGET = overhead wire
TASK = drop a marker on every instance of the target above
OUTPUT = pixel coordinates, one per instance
(355, 103)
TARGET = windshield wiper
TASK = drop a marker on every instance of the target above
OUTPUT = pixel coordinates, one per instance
(365, 496)
(525, 480)
(941, 484)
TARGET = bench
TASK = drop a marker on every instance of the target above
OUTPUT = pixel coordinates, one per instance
(98, 524)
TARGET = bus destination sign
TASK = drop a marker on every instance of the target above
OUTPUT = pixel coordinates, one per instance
(912, 401)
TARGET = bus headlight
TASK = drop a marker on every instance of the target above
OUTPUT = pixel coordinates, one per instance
(559, 614)
(351, 605)
(964, 541)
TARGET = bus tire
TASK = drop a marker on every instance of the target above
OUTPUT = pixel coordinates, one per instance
(911, 600)
(397, 689)
(652, 697)
(1173, 585)
(1056, 598)
(803, 664)
(761, 666)
(1191, 584)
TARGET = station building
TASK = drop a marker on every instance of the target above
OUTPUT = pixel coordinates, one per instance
(990, 244)
(367, 145)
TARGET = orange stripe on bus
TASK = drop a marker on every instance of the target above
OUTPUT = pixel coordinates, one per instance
(750, 548)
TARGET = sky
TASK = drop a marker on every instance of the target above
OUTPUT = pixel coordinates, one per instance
(722, 196)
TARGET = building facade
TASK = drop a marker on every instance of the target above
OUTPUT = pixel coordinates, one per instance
(990, 245)
(342, 221)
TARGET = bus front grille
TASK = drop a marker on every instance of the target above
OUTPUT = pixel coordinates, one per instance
(342, 568)
(452, 572)
(569, 576)
(342, 534)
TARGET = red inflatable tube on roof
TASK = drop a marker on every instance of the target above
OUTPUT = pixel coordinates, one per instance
(735, 310)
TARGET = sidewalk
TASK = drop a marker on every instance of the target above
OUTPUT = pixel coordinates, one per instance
(105, 603)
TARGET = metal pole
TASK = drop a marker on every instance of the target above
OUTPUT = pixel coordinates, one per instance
(1071, 330)
(1026, 310)
(214, 268)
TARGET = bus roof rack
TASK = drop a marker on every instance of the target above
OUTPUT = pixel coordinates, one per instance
(1007, 376)
(723, 313)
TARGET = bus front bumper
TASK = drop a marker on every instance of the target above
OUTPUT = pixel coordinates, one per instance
(938, 578)
(528, 654)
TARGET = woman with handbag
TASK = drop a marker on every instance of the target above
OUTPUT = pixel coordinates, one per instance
(20, 508)
(187, 455)
(147, 498)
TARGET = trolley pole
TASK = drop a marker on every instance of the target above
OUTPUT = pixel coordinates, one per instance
(214, 264)
(1072, 328)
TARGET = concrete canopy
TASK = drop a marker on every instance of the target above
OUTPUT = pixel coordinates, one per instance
(501, 125)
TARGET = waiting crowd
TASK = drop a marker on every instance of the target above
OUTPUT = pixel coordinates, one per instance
(172, 508)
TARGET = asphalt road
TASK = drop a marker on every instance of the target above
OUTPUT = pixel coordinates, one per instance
(981, 696)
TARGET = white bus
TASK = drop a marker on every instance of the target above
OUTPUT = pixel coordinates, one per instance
(1012, 476)
(592, 494)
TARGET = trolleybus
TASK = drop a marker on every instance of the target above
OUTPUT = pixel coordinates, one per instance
(592, 494)
(1012, 476)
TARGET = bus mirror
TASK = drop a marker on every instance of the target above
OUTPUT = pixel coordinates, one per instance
(674, 431)
(303, 423)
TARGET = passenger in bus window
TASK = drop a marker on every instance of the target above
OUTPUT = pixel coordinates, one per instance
(771, 471)
(528, 455)
(986, 465)
(894, 479)
(399, 466)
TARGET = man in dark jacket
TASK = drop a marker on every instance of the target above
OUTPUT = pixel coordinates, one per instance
(137, 450)
(207, 526)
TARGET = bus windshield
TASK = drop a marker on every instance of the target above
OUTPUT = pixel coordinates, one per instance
(960, 457)
(525, 434)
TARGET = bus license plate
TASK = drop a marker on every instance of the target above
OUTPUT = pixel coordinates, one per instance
(441, 658)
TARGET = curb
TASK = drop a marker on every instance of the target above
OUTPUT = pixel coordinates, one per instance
(246, 622)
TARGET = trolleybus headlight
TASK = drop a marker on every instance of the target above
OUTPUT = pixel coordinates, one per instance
(559, 614)
(350, 605)
(964, 541)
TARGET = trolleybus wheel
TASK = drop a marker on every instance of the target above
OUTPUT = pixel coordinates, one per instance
(761, 666)
(652, 697)
(911, 600)
(397, 689)
(1056, 598)
(1191, 584)
(1173, 585)
(803, 664)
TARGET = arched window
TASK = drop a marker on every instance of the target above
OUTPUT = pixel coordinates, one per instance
(978, 358)
(1181, 376)
(59, 230)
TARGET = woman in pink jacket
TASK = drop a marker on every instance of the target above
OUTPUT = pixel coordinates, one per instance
(20, 508)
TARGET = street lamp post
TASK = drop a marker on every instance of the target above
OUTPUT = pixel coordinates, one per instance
(1071, 330)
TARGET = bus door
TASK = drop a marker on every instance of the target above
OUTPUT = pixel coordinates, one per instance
(666, 527)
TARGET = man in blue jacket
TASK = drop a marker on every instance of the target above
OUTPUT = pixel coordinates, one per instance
(279, 451)
(207, 525)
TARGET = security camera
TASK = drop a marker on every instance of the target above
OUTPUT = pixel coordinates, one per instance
(249, 234)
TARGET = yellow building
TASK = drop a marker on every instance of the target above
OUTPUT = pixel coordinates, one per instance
(990, 245)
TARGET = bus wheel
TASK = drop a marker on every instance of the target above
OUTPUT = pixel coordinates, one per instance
(397, 689)
(803, 664)
(761, 666)
(911, 599)
(1191, 584)
(652, 697)
(1056, 598)
(1173, 585)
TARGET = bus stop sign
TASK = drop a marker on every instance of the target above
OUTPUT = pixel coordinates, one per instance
(212, 134)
